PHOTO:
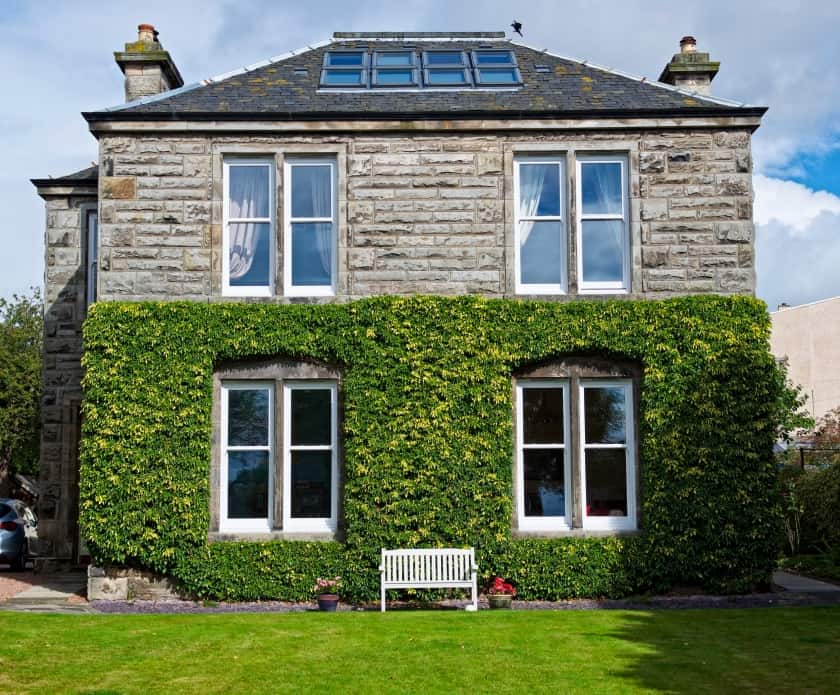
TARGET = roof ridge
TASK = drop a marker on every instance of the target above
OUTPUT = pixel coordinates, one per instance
(636, 78)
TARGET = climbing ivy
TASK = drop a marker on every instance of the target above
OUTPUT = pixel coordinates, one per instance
(428, 439)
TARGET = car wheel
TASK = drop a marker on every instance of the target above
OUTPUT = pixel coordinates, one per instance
(19, 563)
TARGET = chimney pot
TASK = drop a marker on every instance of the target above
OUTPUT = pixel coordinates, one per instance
(688, 44)
(146, 33)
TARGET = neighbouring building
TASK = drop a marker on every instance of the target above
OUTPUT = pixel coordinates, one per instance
(807, 338)
(381, 164)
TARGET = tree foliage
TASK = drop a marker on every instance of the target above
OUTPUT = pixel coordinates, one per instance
(21, 339)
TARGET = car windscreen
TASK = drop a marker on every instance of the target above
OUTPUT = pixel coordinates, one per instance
(4, 509)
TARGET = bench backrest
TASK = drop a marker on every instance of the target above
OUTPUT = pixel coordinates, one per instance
(428, 565)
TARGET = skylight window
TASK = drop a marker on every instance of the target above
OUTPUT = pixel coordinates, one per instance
(495, 68)
(345, 69)
(395, 69)
(446, 69)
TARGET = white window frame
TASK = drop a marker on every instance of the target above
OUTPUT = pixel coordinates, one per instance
(609, 523)
(543, 523)
(248, 290)
(309, 525)
(91, 253)
(254, 525)
(600, 287)
(540, 288)
(290, 289)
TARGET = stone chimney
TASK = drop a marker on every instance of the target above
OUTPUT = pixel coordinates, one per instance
(689, 69)
(148, 69)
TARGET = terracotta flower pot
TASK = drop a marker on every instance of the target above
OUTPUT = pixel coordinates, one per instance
(500, 600)
(328, 602)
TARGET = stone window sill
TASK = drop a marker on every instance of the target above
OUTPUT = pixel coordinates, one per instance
(577, 533)
(243, 536)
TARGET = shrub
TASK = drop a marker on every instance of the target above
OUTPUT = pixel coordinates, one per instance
(819, 493)
(428, 439)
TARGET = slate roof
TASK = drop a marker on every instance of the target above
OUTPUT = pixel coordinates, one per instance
(288, 88)
(84, 177)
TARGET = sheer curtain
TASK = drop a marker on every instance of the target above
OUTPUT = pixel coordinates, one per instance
(530, 190)
(319, 190)
(605, 198)
(249, 198)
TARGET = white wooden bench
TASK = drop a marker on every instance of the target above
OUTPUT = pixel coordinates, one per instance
(433, 568)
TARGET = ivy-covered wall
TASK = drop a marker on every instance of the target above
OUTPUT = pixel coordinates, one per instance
(428, 439)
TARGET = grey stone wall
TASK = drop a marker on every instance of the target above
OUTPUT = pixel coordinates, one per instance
(430, 214)
(65, 308)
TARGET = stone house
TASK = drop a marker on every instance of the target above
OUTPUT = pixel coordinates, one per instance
(393, 164)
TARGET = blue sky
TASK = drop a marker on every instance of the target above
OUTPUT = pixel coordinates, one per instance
(58, 61)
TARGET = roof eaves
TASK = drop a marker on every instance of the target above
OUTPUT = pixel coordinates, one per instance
(211, 80)
(637, 78)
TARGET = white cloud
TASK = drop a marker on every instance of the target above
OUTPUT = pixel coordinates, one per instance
(791, 204)
(797, 242)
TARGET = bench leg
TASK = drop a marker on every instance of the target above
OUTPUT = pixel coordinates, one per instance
(474, 606)
(382, 589)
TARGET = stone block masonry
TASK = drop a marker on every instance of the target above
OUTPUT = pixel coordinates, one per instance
(427, 214)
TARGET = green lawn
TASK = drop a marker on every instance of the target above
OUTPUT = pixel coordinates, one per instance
(739, 651)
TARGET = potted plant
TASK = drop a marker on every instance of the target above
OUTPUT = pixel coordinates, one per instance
(500, 594)
(326, 593)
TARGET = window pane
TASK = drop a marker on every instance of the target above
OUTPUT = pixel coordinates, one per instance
(312, 190)
(541, 252)
(539, 190)
(248, 417)
(542, 416)
(352, 78)
(249, 191)
(440, 76)
(544, 481)
(312, 248)
(348, 59)
(311, 484)
(311, 416)
(493, 58)
(444, 58)
(497, 76)
(247, 485)
(391, 77)
(606, 482)
(603, 250)
(605, 416)
(250, 254)
(601, 188)
(394, 59)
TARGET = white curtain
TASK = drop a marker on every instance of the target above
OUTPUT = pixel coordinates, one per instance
(607, 200)
(530, 190)
(249, 197)
(317, 186)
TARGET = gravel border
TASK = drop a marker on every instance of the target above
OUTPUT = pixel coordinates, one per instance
(765, 600)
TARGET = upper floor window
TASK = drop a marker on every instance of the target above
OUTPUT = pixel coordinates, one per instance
(575, 453)
(395, 69)
(496, 68)
(603, 233)
(311, 229)
(446, 69)
(91, 254)
(249, 233)
(345, 69)
(540, 228)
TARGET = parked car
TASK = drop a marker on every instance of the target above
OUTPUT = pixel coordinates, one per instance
(18, 532)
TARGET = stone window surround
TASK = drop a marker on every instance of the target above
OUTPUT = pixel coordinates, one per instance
(279, 151)
(85, 209)
(270, 370)
(573, 370)
(568, 149)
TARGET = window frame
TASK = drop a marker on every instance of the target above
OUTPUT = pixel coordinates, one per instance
(541, 288)
(91, 230)
(363, 70)
(316, 524)
(250, 525)
(576, 374)
(512, 65)
(290, 289)
(248, 290)
(609, 523)
(603, 287)
(464, 66)
(544, 523)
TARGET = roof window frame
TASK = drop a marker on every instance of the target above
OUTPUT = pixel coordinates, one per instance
(478, 68)
(363, 70)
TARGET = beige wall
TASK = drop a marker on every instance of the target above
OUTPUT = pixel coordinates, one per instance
(430, 213)
(808, 336)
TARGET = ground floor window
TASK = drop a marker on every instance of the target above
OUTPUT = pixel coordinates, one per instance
(575, 451)
(278, 454)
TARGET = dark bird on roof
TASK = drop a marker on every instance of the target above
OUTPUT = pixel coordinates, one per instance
(517, 26)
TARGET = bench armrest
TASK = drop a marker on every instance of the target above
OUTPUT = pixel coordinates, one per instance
(381, 569)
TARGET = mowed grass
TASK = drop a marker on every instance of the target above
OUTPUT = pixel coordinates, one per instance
(737, 651)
